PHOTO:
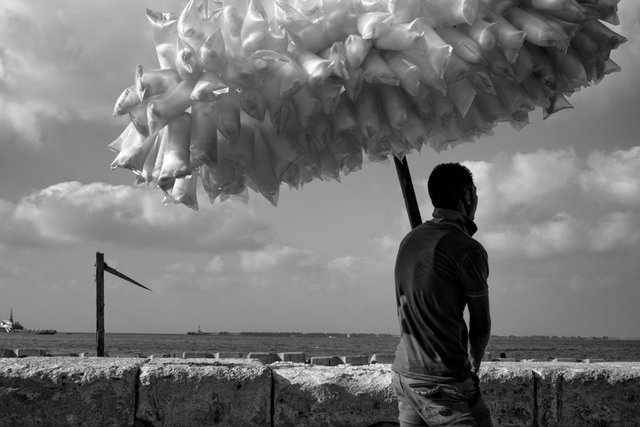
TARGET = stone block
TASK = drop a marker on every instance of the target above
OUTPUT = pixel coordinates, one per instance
(307, 395)
(67, 391)
(30, 352)
(565, 359)
(264, 357)
(326, 360)
(229, 355)
(508, 390)
(197, 392)
(382, 358)
(295, 357)
(7, 352)
(197, 355)
(355, 360)
(581, 394)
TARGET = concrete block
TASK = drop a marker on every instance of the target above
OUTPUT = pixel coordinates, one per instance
(593, 360)
(30, 352)
(355, 360)
(67, 391)
(264, 357)
(161, 356)
(229, 355)
(295, 357)
(307, 395)
(581, 394)
(565, 359)
(197, 392)
(508, 390)
(7, 352)
(197, 355)
(382, 358)
(326, 360)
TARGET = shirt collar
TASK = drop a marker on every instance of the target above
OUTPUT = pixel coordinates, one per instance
(459, 219)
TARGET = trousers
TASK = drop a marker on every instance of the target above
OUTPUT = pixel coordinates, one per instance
(432, 403)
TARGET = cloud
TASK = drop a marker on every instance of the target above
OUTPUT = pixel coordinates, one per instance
(46, 42)
(613, 177)
(70, 212)
(553, 202)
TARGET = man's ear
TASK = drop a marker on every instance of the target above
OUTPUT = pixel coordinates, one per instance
(467, 197)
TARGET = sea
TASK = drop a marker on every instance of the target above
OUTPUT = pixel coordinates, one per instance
(319, 344)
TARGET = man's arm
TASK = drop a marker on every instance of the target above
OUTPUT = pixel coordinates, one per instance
(479, 329)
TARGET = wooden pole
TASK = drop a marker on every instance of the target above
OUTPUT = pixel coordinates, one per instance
(100, 304)
(410, 202)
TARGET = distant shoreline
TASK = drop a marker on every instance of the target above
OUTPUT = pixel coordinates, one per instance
(357, 334)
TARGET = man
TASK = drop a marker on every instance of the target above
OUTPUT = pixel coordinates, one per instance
(440, 269)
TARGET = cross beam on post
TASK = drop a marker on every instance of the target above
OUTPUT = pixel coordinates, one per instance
(410, 202)
(101, 267)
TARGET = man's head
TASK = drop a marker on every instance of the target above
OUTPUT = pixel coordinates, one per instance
(451, 187)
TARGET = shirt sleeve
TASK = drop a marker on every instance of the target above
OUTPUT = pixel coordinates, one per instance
(474, 272)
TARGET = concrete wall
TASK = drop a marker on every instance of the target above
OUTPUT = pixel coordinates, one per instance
(242, 392)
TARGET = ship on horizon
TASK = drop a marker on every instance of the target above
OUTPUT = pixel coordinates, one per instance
(13, 326)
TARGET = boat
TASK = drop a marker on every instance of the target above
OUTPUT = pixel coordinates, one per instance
(14, 327)
(198, 332)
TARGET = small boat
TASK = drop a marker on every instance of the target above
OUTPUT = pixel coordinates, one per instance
(198, 332)
(14, 327)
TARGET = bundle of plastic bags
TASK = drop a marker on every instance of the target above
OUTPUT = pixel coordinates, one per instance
(248, 96)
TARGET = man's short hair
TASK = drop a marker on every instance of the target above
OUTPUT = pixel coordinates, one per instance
(447, 183)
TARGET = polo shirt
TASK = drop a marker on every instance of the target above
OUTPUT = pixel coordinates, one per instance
(439, 266)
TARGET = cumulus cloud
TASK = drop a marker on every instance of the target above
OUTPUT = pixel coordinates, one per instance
(553, 202)
(70, 212)
(47, 42)
(613, 176)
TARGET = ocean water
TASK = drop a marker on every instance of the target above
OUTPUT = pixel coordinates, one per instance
(117, 344)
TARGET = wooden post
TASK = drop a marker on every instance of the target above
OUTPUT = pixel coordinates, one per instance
(410, 202)
(100, 304)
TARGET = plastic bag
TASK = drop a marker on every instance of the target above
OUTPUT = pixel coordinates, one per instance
(508, 38)
(184, 191)
(375, 70)
(204, 134)
(450, 12)
(394, 105)
(433, 50)
(407, 72)
(357, 49)
(227, 111)
(255, 28)
(123, 139)
(208, 88)
(461, 93)
(464, 47)
(252, 103)
(169, 105)
(128, 99)
(193, 25)
(213, 54)
(306, 105)
(264, 170)
(164, 36)
(176, 156)
(154, 82)
(316, 67)
(134, 153)
(188, 63)
(368, 112)
(399, 37)
(537, 31)
(481, 32)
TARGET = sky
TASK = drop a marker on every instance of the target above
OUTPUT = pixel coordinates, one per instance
(559, 206)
